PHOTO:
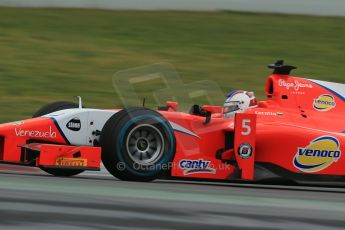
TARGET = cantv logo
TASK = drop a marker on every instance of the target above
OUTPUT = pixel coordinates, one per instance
(196, 166)
(318, 155)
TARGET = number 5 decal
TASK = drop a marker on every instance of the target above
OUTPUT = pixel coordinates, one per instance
(244, 146)
(246, 126)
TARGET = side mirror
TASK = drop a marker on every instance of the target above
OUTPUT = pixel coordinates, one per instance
(172, 104)
(208, 110)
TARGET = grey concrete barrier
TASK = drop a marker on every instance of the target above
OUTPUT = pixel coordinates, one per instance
(309, 7)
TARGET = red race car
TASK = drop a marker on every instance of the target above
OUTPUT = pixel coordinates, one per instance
(297, 133)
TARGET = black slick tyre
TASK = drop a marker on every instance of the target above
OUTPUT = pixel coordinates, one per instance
(138, 144)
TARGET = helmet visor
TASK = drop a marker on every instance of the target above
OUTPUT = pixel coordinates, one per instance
(231, 107)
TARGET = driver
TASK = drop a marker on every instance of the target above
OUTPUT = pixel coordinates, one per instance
(238, 101)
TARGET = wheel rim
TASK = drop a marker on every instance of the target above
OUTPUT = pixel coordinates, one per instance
(145, 144)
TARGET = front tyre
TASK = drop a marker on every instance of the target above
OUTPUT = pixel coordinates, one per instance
(138, 144)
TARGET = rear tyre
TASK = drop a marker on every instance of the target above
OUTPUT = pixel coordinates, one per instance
(50, 108)
(138, 144)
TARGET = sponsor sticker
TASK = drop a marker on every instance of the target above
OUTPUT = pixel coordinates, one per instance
(318, 155)
(245, 150)
(35, 133)
(324, 103)
(71, 162)
(295, 85)
(269, 113)
(196, 166)
(74, 124)
(16, 123)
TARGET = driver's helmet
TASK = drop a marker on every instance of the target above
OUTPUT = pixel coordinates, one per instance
(238, 101)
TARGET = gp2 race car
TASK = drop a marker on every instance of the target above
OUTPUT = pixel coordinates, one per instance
(297, 133)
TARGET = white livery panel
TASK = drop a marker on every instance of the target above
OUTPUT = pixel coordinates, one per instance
(80, 126)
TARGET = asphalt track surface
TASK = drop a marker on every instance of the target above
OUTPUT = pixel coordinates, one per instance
(31, 199)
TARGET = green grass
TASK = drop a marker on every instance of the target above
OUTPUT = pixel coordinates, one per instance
(55, 54)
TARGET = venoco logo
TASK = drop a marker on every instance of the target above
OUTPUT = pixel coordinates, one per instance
(324, 103)
(318, 155)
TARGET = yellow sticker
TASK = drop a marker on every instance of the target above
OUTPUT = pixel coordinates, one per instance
(319, 154)
(324, 103)
(71, 162)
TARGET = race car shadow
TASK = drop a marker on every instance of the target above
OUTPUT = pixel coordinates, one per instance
(267, 184)
(264, 184)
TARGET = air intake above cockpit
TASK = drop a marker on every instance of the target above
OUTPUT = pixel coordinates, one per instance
(280, 68)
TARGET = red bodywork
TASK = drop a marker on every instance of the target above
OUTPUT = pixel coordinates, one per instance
(293, 136)
(297, 131)
(22, 140)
